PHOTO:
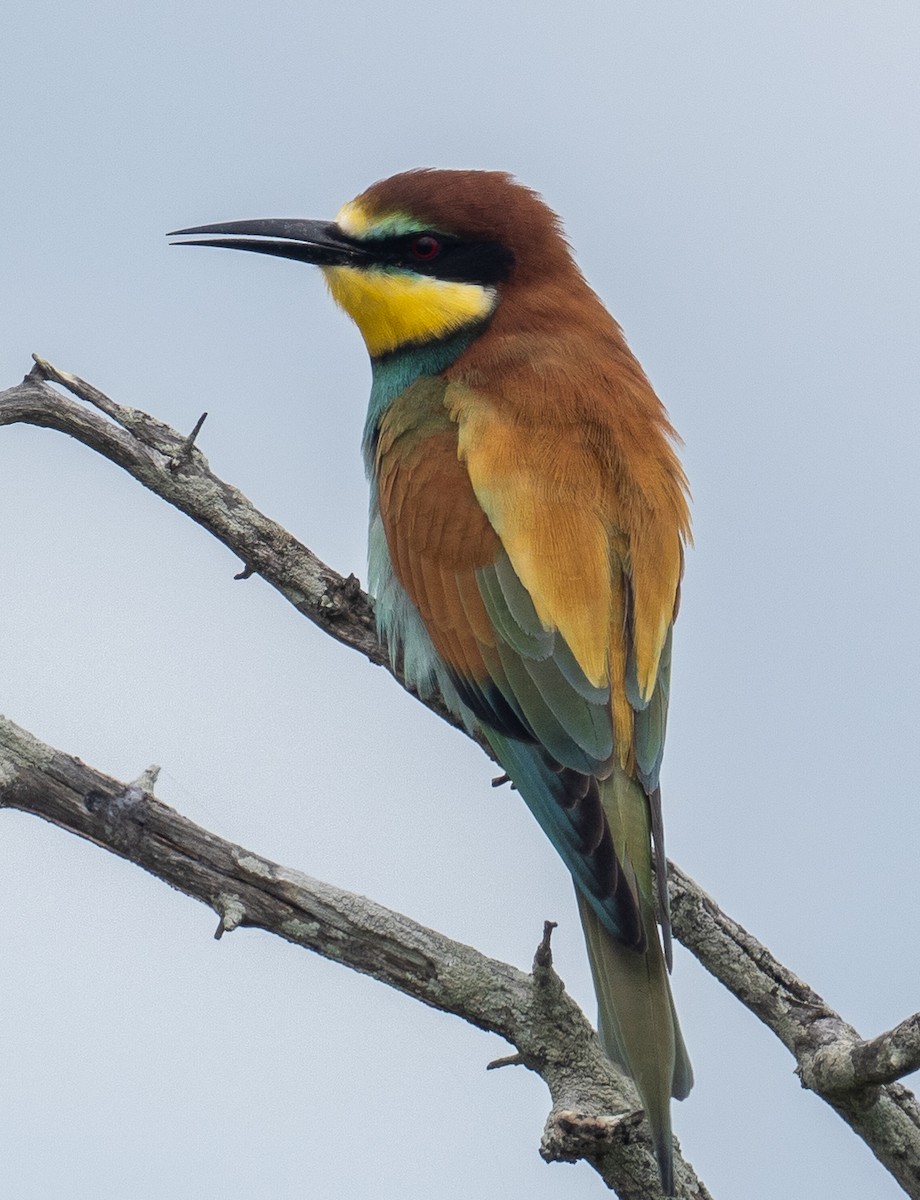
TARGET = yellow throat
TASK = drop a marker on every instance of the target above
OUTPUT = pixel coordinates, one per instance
(393, 308)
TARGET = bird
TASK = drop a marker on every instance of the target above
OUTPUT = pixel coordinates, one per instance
(528, 520)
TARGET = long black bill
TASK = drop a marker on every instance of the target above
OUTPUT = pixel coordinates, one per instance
(319, 242)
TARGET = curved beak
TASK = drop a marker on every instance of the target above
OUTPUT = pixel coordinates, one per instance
(319, 242)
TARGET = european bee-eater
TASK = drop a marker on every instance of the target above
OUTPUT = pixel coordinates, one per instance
(528, 516)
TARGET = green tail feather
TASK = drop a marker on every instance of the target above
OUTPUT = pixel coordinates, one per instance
(637, 1023)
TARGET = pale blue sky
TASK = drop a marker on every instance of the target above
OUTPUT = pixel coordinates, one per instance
(741, 184)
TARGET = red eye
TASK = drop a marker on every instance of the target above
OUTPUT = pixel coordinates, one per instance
(426, 247)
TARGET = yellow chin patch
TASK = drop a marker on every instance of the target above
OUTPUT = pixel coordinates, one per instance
(393, 308)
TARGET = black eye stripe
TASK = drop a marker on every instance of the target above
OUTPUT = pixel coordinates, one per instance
(457, 259)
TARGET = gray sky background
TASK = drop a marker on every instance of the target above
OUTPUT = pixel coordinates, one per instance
(741, 184)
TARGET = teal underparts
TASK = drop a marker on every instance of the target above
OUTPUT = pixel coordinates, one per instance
(394, 372)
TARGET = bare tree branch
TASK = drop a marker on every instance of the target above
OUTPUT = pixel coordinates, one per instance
(842, 1068)
(164, 461)
(595, 1114)
(853, 1076)
(886, 1118)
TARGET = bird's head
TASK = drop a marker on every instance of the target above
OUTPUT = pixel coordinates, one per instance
(418, 257)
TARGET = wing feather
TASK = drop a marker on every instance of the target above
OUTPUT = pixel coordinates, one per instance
(527, 588)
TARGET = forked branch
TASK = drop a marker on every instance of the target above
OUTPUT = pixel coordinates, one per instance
(595, 1110)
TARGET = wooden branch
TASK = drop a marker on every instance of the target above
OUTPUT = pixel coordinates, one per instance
(839, 1067)
(168, 463)
(887, 1118)
(854, 1076)
(595, 1112)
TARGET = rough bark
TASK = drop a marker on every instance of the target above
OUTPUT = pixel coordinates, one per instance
(595, 1114)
